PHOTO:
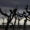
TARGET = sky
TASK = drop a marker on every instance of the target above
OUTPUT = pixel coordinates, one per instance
(6, 11)
(21, 22)
(13, 3)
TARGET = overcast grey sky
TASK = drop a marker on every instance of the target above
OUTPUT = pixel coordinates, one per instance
(13, 3)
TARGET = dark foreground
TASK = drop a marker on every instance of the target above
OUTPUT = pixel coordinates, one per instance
(16, 27)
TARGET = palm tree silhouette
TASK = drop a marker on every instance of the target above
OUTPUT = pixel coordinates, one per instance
(9, 17)
(25, 17)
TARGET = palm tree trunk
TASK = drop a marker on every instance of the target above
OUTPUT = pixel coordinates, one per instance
(9, 20)
(24, 28)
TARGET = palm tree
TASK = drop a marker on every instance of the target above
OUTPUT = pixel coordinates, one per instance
(14, 13)
(25, 19)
